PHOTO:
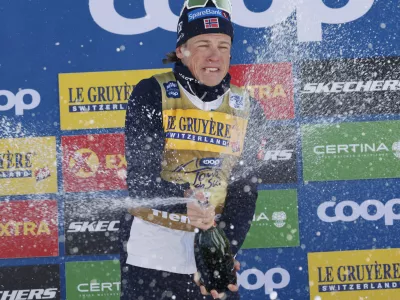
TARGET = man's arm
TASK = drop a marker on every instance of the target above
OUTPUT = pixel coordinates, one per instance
(242, 192)
(144, 145)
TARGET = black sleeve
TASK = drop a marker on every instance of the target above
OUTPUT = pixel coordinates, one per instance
(144, 145)
(242, 192)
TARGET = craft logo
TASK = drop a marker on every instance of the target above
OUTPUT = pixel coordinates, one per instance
(30, 282)
(346, 275)
(331, 211)
(351, 151)
(275, 222)
(92, 226)
(28, 166)
(276, 156)
(217, 132)
(28, 229)
(94, 162)
(265, 280)
(345, 87)
(236, 101)
(94, 280)
(97, 100)
(270, 84)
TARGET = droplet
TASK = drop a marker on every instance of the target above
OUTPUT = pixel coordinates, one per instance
(273, 295)
(383, 25)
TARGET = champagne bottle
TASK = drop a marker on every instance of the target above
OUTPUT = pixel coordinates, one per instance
(214, 258)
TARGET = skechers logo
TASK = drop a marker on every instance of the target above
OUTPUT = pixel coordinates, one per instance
(351, 87)
(29, 294)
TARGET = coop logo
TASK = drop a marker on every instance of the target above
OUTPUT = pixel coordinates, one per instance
(310, 16)
(94, 226)
(14, 228)
(18, 102)
(29, 294)
(279, 219)
(211, 162)
(269, 280)
(352, 86)
(333, 212)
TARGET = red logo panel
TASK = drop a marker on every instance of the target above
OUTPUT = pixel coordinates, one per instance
(28, 229)
(94, 162)
(270, 84)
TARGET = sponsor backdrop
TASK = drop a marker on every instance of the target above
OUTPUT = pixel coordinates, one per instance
(326, 73)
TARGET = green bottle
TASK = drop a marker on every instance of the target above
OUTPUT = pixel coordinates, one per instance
(214, 259)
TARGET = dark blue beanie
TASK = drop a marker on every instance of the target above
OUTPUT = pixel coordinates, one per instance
(208, 19)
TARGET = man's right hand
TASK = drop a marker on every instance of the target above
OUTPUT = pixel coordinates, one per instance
(200, 217)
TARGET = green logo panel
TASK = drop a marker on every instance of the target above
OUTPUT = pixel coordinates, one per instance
(93, 280)
(346, 151)
(275, 223)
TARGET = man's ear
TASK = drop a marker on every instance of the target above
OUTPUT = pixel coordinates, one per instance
(179, 52)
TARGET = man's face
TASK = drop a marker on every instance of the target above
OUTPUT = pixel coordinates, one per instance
(207, 56)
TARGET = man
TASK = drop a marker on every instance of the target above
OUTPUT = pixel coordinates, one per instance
(186, 136)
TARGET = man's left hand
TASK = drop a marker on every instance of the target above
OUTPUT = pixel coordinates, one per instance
(232, 287)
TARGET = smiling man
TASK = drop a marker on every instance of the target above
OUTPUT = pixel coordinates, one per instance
(188, 132)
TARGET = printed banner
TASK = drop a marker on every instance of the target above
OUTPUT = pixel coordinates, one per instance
(30, 282)
(97, 99)
(364, 274)
(28, 229)
(351, 151)
(270, 84)
(93, 279)
(361, 86)
(275, 223)
(28, 166)
(94, 162)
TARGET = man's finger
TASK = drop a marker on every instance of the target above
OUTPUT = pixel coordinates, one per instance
(203, 290)
(215, 295)
(237, 265)
(233, 287)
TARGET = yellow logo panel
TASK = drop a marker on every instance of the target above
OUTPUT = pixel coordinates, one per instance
(192, 129)
(364, 274)
(98, 99)
(28, 166)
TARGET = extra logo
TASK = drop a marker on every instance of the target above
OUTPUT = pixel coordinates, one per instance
(333, 212)
(265, 280)
(95, 162)
(310, 16)
(28, 229)
(18, 101)
(270, 84)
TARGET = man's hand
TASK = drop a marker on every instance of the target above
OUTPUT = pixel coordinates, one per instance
(232, 287)
(199, 217)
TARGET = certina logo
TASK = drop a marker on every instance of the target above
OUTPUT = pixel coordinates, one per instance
(310, 16)
(336, 211)
(99, 287)
(352, 87)
(50, 293)
(352, 148)
(18, 100)
(267, 280)
(94, 226)
(278, 217)
(15, 228)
